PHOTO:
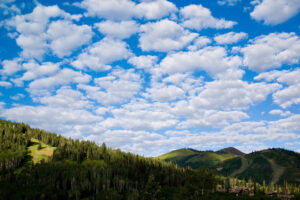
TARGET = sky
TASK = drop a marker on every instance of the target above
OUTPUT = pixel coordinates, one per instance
(152, 76)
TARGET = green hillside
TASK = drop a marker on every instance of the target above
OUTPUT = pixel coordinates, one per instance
(272, 165)
(35, 164)
(194, 158)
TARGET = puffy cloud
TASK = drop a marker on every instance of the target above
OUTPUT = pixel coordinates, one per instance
(32, 37)
(162, 92)
(143, 62)
(109, 9)
(10, 67)
(198, 43)
(228, 2)
(66, 37)
(34, 71)
(232, 94)
(280, 112)
(126, 9)
(288, 95)
(229, 38)
(66, 97)
(8, 8)
(100, 54)
(213, 119)
(273, 12)
(17, 96)
(55, 119)
(155, 9)
(213, 60)
(164, 36)
(121, 30)
(117, 87)
(65, 76)
(198, 17)
(272, 51)
(5, 84)
(144, 118)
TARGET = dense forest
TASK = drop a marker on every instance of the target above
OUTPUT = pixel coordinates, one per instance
(83, 170)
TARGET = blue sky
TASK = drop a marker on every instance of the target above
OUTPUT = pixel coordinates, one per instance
(151, 76)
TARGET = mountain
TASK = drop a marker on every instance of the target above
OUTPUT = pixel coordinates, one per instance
(35, 164)
(271, 165)
(232, 151)
(195, 159)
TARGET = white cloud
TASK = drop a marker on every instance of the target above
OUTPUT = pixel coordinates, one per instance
(121, 30)
(35, 70)
(162, 92)
(213, 118)
(66, 37)
(232, 94)
(198, 43)
(280, 112)
(288, 95)
(229, 38)
(213, 60)
(143, 62)
(8, 8)
(155, 9)
(272, 51)
(10, 67)
(100, 54)
(228, 2)
(117, 87)
(5, 84)
(32, 37)
(273, 12)
(139, 119)
(65, 76)
(164, 36)
(109, 9)
(17, 96)
(198, 17)
(66, 97)
(60, 120)
(126, 9)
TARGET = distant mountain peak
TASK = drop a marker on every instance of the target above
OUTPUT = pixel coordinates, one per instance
(232, 151)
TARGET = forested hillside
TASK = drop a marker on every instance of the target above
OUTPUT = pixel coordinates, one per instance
(40, 165)
(271, 166)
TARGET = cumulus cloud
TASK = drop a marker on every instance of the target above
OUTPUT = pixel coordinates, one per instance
(228, 2)
(121, 30)
(143, 62)
(289, 95)
(66, 37)
(10, 67)
(5, 84)
(100, 54)
(229, 38)
(162, 92)
(198, 17)
(272, 51)
(35, 70)
(198, 43)
(232, 94)
(118, 87)
(273, 12)
(213, 60)
(280, 112)
(33, 37)
(126, 9)
(65, 76)
(164, 36)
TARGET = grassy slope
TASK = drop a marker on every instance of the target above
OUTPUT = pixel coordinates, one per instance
(39, 154)
(36, 155)
(195, 159)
